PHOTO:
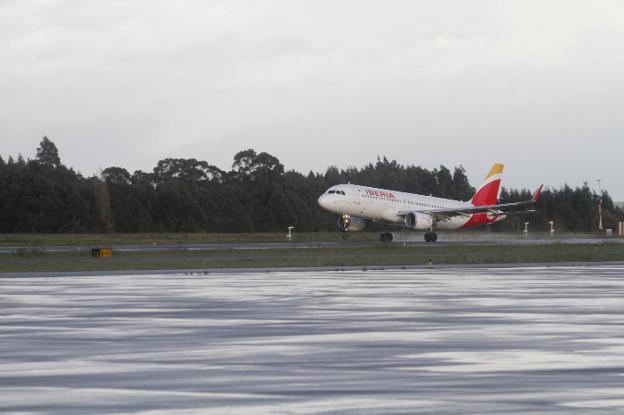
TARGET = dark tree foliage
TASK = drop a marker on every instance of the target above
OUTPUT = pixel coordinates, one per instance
(188, 170)
(43, 196)
(257, 195)
(47, 153)
(116, 175)
(249, 166)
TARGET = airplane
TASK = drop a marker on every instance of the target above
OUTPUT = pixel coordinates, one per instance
(358, 205)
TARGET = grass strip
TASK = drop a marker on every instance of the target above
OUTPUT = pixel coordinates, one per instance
(347, 256)
(33, 240)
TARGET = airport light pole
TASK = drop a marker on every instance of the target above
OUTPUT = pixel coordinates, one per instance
(600, 229)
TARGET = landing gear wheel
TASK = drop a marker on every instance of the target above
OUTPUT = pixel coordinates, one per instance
(431, 236)
(385, 237)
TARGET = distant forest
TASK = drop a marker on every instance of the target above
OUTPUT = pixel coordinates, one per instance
(256, 195)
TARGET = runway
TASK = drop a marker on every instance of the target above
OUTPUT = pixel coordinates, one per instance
(412, 239)
(530, 340)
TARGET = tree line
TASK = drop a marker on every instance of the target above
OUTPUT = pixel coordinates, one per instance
(256, 195)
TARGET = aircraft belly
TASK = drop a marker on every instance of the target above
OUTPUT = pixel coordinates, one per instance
(453, 223)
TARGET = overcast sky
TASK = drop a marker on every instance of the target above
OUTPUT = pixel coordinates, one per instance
(537, 85)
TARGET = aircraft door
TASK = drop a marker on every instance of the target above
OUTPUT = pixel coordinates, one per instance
(357, 200)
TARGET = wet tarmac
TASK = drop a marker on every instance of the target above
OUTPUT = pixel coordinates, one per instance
(525, 340)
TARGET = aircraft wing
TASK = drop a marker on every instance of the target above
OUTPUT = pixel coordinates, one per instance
(444, 214)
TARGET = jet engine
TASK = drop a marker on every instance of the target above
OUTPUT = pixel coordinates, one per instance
(348, 223)
(418, 221)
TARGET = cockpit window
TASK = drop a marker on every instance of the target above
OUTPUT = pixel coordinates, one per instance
(331, 192)
(338, 192)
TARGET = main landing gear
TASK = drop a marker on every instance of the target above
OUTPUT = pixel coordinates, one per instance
(385, 237)
(431, 236)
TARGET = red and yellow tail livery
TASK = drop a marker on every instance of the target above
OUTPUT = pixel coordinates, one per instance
(489, 191)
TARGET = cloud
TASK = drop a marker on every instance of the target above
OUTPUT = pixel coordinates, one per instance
(532, 84)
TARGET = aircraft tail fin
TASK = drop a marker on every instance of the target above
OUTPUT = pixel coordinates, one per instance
(537, 195)
(489, 191)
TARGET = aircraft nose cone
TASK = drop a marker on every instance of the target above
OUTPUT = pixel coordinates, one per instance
(322, 201)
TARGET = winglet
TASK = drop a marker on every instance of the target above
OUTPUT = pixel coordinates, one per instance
(537, 195)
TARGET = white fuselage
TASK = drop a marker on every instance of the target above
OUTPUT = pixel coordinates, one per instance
(384, 205)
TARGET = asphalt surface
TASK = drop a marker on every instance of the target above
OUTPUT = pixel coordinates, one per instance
(525, 340)
(309, 245)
